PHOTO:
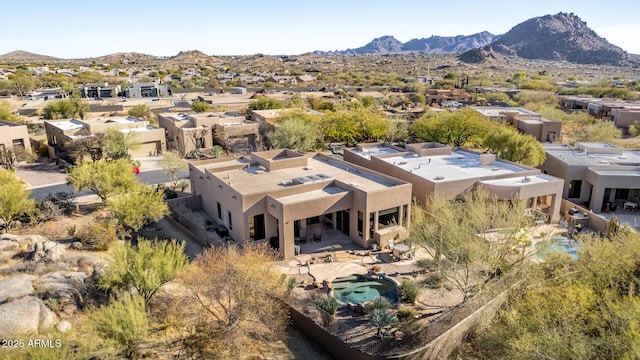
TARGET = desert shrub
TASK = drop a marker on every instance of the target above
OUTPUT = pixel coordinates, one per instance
(409, 290)
(326, 303)
(97, 235)
(63, 200)
(47, 211)
(380, 303)
(291, 284)
(406, 313)
(194, 154)
(170, 193)
(427, 264)
(123, 323)
(432, 281)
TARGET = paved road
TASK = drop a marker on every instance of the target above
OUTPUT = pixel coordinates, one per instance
(147, 177)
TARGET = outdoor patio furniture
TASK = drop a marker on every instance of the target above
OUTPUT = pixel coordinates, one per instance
(631, 205)
(317, 234)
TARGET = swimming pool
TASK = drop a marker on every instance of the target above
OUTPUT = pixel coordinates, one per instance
(362, 288)
(559, 244)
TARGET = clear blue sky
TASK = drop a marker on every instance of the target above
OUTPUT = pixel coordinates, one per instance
(75, 29)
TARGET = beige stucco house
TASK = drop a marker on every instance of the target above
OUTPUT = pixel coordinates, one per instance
(283, 196)
(440, 172)
(599, 176)
(150, 140)
(14, 135)
(187, 132)
(526, 121)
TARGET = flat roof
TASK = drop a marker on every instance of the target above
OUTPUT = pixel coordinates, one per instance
(617, 173)
(318, 168)
(492, 111)
(580, 158)
(458, 165)
(374, 150)
(67, 124)
(138, 129)
(520, 181)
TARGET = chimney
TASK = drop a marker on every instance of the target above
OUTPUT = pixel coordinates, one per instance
(487, 159)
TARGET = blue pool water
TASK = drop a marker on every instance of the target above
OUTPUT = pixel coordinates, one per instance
(559, 244)
(361, 288)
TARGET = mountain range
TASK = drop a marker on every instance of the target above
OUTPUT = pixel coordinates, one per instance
(434, 44)
(559, 37)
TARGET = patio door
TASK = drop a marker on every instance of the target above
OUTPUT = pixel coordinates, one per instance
(342, 221)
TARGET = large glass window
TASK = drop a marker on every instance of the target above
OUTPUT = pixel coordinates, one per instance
(219, 210)
(575, 188)
(388, 217)
(360, 223)
(230, 222)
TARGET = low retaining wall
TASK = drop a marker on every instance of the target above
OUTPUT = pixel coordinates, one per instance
(596, 222)
(436, 340)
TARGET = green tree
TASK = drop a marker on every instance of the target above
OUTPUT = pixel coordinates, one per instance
(507, 143)
(465, 127)
(200, 106)
(141, 111)
(14, 199)
(171, 163)
(118, 145)
(295, 134)
(457, 237)
(601, 131)
(137, 206)
(634, 130)
(571, 309)
(232, 302)
(6, 112)
(397, 130)
(145, 267)
(65, 109)
(104, 178)
(123, 323)
(22, 84)
(266, 103)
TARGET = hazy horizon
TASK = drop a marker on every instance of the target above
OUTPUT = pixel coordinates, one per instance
(282, 27)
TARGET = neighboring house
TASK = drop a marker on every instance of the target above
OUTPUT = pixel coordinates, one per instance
(150, 89)
(438, 96)
(576, 102)
(626, 116)
(14, 135)
(268, 118)
(283, 196)
(595, 174)
(429, 80)
(187, 132)
(440, 172)
(100, 90)
(282, 80)
(150, 140)
(526, 121)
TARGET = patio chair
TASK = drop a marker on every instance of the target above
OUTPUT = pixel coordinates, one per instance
(317, 234)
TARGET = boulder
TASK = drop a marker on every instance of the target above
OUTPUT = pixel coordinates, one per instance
(16, 286)
(61, 284)
(25, 317)
(63, 327)
(20, 239)
(7, 245)
(45, 252)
